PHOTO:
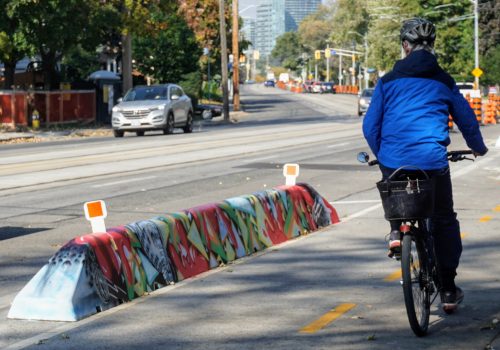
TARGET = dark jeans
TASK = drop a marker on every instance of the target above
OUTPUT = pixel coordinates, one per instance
(444, 225)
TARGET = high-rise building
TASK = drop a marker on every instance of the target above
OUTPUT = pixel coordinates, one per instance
(248, 30)
(275, 17)
(297, 10)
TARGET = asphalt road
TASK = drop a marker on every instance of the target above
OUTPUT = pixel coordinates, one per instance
(266, 300)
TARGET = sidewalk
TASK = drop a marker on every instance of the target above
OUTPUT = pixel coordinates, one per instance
(7, 137)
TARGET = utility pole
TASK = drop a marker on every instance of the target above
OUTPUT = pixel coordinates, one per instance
(223, 39)
(476, 42)
(236, 58)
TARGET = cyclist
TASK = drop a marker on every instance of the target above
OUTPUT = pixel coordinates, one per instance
(407, 123)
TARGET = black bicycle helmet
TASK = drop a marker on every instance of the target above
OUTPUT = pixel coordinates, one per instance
(418, 31)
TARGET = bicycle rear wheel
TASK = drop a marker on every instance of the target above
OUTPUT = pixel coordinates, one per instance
(415, 284)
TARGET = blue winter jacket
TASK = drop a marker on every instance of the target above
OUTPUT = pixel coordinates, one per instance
(407, 121)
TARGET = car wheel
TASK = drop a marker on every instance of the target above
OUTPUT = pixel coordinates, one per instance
(189, 124)
(118, 133)
(169, 128)
(207, 114)
(139, 133)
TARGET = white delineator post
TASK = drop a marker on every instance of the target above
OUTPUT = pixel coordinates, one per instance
(96, 212)
(290, 172)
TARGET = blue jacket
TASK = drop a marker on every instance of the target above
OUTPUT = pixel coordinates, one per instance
(407, 121)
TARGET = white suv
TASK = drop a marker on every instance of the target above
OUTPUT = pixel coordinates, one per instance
(155, 107)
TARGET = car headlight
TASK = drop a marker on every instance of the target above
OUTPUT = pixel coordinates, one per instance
(363, 101)
(116, 109)
(157, 108)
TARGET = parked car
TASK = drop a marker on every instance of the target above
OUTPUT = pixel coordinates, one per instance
(269, 83)
(316, 87)
(155, 107)
(307, 86)
(328, 88)
(208, 111)
(468, 89)
(364, 100)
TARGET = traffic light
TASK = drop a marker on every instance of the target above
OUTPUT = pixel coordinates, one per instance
(317, 54)
(328, 53)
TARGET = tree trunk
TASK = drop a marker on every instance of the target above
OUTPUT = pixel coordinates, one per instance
(127, 62)
(10, 70)
(50, 75)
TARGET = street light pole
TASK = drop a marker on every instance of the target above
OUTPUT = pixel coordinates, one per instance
(327, 61)
(476, 42)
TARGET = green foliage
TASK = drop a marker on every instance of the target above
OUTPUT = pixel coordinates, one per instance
(288, 51)
(491, 67)
(169, 54)
(191, 83)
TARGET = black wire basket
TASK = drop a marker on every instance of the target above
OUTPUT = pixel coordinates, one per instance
(409, 199)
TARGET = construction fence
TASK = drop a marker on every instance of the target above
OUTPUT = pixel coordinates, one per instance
(53, 107)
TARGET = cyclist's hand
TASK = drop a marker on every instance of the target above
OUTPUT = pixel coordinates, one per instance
(477, 154)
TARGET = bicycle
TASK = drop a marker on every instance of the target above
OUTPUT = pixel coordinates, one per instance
(410, 202)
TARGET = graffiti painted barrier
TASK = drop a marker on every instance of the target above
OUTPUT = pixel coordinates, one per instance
(98, 271)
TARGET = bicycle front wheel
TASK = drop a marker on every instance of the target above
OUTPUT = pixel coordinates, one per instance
(415, 284)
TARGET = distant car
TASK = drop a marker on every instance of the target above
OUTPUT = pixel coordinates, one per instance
(155, 107)
(328, 88)
(307, 86)
(269, 83)
(316, 87)
(364, 101)
(468, 89)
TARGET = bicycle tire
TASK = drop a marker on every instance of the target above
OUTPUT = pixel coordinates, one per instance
(415, 286)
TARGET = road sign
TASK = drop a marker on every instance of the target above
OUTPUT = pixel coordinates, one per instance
(95, 212)
(477, 72)
(256, 55)
(290, 172)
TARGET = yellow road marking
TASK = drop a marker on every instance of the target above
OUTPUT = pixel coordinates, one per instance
(327, 318)
(396, 275)
(497, 208)
(485, 218)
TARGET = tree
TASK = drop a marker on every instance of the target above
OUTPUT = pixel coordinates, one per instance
(50, 28)
(315, 30)
(10, 53)
(153, 52)
(288, 50)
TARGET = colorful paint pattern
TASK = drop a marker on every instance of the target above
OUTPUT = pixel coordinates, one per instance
(98, 271)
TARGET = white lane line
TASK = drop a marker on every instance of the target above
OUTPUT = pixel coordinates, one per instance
(338, 145)
(361, 213)
(124, 181)
(357, 202)
(259, 159)
(467, 169)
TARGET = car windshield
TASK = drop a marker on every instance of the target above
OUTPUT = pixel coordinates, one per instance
(465, 86)
(146, 93)
(367, 93)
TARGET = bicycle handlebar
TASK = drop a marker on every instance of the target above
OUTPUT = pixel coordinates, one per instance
(453, 156)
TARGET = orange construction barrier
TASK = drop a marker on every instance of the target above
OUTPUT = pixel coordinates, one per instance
(475, 104)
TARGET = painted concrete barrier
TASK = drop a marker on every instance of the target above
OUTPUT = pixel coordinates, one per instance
(98, 271)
